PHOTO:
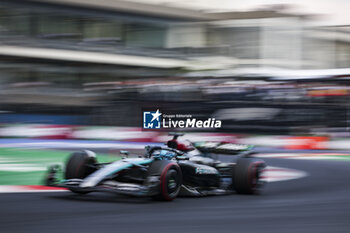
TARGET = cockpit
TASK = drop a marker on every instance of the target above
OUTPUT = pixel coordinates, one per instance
(162, 154)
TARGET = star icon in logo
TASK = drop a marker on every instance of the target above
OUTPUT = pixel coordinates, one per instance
(156, 115)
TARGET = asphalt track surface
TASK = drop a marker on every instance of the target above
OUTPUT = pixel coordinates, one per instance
(317, 203)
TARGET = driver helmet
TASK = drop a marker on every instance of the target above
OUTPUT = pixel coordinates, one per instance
(163, 155)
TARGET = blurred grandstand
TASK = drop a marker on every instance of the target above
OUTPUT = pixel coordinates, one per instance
(102, 62)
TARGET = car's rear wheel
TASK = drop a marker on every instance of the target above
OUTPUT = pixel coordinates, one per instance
(79, 166)
(247, 176)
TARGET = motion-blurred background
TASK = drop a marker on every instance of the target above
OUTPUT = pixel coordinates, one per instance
(262, 67)
(78, 74)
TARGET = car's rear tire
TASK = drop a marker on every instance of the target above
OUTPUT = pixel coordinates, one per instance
(79, 166)
(247, 176)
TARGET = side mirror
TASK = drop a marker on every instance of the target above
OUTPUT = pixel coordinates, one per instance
(124, 152)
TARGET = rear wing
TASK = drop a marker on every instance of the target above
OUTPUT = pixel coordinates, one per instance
(222, 147)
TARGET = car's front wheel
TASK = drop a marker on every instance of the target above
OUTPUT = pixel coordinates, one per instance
(79, 166)
(170, 183)
(170, 179)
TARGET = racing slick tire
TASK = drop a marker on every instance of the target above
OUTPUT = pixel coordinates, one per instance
(247, 176)
(79, 166)
(170, 180)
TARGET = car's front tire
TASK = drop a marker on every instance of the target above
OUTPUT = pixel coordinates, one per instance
(170, 177)
(79, 166)
(170, 183)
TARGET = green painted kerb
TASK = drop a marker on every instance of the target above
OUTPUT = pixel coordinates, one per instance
(28, 167)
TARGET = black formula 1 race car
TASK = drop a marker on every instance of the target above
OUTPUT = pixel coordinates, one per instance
(185, 169)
